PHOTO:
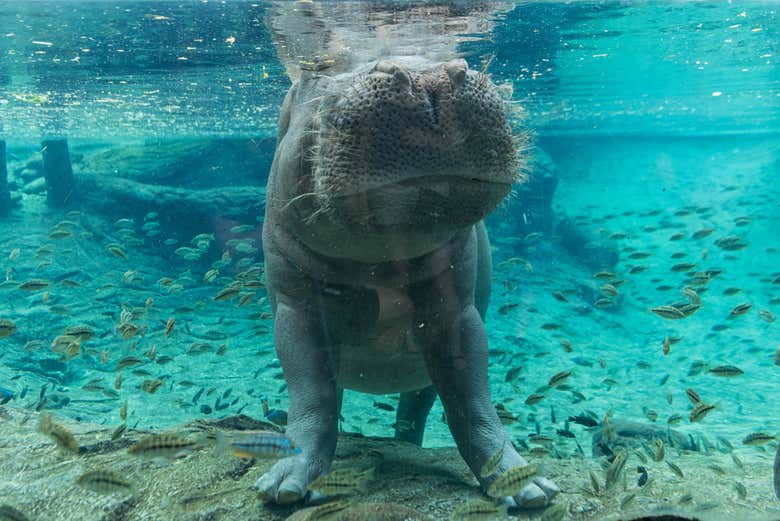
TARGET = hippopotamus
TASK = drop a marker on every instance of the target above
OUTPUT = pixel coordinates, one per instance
(377, 260)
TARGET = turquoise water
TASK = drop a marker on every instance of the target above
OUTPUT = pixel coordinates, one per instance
(658, 120)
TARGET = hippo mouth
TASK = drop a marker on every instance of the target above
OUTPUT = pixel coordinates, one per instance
(422, 202)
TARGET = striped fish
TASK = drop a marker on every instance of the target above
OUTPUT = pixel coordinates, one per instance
(163, 446)
(105, 482)
(256, 444)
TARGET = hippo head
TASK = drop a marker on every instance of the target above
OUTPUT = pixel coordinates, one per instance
(397, 156)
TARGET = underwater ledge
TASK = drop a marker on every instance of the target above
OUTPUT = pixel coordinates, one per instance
(39, 480)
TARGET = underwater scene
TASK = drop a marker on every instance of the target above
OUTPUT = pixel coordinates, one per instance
(389, 260)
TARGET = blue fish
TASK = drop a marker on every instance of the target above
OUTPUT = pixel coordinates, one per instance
(582, 361)
(6, 395)
(277, 416)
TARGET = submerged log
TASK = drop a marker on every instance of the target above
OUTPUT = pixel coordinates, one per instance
(5, 193)
(111, 194)
(58, 171)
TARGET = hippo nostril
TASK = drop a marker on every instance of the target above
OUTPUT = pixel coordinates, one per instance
(385, 66)
(395, 70)
(456, 70)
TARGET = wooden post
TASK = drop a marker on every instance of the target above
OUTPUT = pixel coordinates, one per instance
(5, 194)
(57, 171)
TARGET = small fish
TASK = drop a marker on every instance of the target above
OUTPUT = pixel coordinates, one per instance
(627, 500)
(256, 444)
(325, 510)
(615, 468)
(741, 490)
(643, 476)
(128, 330)
(151, 386)
(6, 395)
(726, 370)
(169, 326)
(165, 446)
(242, 228)
(35, 284)
(343, 481)
(658, 454)
(731, 243)
(492, 463)
(693, 396)
(541, 439)
(505, 417)
(559, 378)
(59, 433)
(506, 308)
(677, 470)
(128, 361)
(478, 510)
(674, 419)
(513, 373)
(117, 251)
(740, 309)
(702, 233)
(668, 312)
(105, 482)
(584, 420)
(403, 426)
(608, 290)
(738, 462)
(512, 481)
(7, 328)
(534, 398)
(227, 293)
(700, 411)
(594, 483)
(758, 438)
(683, 266)
(384, 406)
(117, 433)
(717, 469)
(210, 275)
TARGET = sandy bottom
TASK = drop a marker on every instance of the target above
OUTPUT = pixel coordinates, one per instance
(40, 481)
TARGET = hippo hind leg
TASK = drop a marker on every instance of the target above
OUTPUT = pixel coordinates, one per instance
(412, 414)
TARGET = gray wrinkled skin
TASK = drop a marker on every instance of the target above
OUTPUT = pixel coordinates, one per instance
(377, 261)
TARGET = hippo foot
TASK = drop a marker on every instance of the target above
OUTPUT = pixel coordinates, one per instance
(288, 480)
(538, 493)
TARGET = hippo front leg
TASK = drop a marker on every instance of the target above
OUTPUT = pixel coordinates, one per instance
(313, 413)
(457, 359)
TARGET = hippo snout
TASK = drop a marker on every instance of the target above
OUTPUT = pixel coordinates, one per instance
(402, 120)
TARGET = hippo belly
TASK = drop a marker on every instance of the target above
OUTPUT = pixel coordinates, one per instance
(384, 357)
